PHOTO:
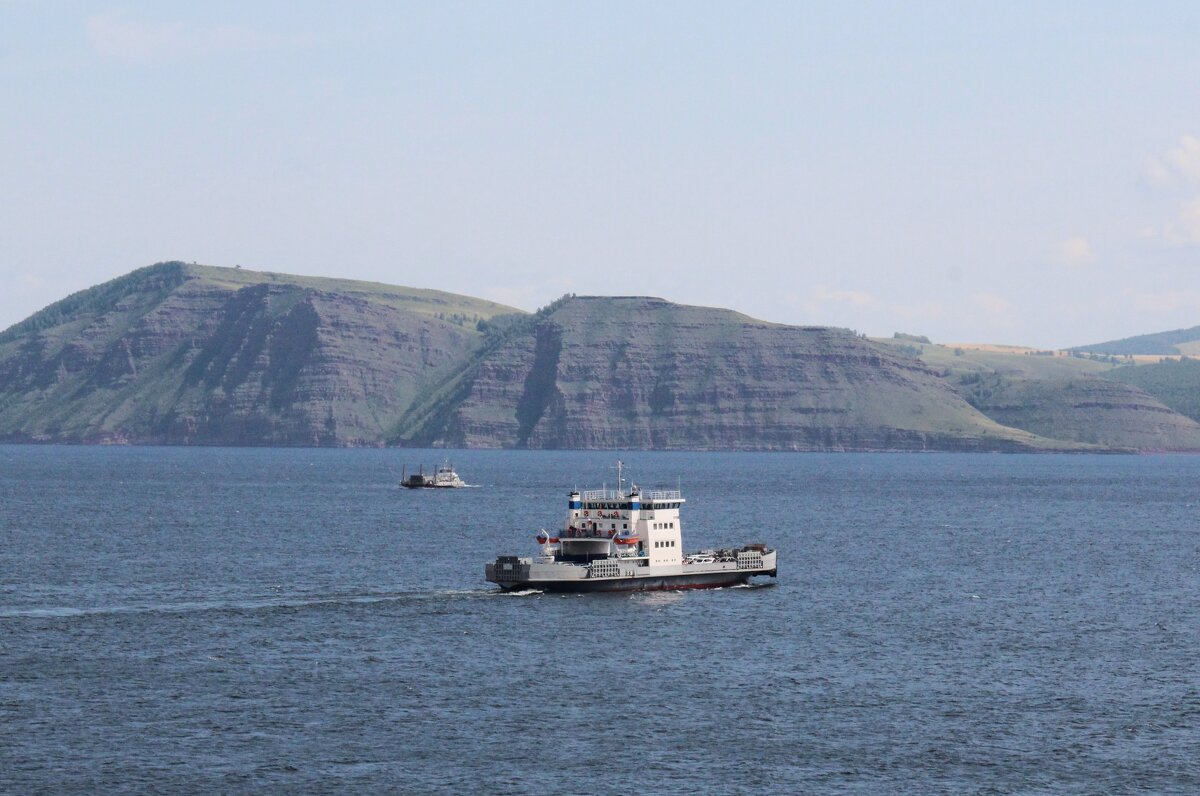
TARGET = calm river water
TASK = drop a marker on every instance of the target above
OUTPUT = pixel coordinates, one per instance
(258, 621)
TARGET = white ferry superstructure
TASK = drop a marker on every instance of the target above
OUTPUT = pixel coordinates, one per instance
(614, 540)
(443, 477)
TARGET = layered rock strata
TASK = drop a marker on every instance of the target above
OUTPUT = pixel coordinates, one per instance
(191, 355)
(642, 373)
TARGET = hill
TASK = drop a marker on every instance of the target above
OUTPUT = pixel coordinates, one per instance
(1097, 411)
(1173, 343)
(1176, 383)
(188, 354)
(637, 372)
(185, 354)
(1055, 393)
(963, 359)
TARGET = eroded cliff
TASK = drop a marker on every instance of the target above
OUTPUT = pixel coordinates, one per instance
(644, 373)
(186, 354)
(182, 354)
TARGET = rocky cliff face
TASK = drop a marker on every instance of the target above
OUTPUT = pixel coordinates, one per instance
(639, 373)
(181, 354)
(184, 354)
(1096, 411)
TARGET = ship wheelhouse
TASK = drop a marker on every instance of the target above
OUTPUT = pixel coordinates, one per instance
(603, 523)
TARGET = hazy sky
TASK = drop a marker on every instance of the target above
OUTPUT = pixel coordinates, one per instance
(1025, 173)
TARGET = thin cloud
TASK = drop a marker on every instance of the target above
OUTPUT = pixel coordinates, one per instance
(1074, 252)
(28, 284)
(857, 298)
(1156, 172)
(1178, 169)
(1180, 163)
(822, 297)
(991, 304)
(1189, 221)
(528, 296)
(121, 37)
(1165, 301)
(928, 311)
(1184, 230)
(1185, 158)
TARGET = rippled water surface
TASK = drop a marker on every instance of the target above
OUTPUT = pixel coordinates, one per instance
(215, 620)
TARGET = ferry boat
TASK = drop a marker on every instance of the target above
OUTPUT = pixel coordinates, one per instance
(613, 540)
(443, 477)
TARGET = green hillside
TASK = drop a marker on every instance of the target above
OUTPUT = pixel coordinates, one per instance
(638, 372)
(1174, 382)
(957, 361)
(177, 353)
(156, 281)
(462, 310)
(189, 354)
(1059, 395)
(1092, 410)
(1173, 343)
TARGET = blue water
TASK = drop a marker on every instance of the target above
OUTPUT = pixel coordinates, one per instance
(257, 621)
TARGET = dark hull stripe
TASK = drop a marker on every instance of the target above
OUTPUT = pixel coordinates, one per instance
(713, 580)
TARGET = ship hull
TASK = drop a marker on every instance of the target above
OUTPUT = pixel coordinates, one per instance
(709, 580)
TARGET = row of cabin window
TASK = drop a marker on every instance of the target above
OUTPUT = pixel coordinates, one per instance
(658, 526)
(628, 506)
(665, 543)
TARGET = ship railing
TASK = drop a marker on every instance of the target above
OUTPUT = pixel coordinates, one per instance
(587, 533)
(613, 494)
(603, 494)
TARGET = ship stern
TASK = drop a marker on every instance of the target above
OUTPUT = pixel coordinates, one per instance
(508, 572)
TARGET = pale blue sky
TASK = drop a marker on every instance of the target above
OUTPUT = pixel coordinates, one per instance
(1024, 173)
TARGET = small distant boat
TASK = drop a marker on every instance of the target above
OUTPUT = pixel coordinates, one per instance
(443, 477)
